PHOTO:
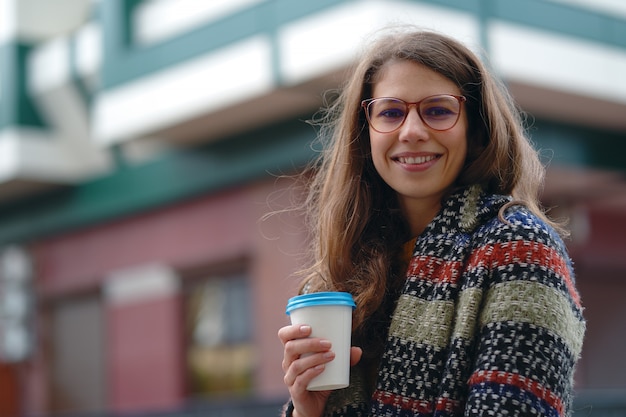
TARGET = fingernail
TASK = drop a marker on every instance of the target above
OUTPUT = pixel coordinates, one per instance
(329, 355)
(325, 343)
(305, 329)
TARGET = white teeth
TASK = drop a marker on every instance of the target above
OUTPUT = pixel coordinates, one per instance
(415, 159)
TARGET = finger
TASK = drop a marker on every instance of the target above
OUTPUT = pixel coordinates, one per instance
(355, 355)
(306, 367)
(296, 331)
(299, 385)
(297, 348)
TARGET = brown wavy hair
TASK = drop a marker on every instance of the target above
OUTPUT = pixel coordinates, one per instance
(354, 216)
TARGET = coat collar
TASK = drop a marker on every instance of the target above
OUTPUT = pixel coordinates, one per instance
(465, 209)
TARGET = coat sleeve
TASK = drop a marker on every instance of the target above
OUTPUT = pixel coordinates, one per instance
(530, 327)
(287, 410)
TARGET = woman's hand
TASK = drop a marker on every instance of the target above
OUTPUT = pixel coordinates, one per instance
(304, 358)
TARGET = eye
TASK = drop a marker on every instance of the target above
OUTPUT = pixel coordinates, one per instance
(439, 108)
(392, 113)
(437, 112)
(388, 109)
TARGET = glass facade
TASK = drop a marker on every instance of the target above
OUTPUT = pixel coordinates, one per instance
(220, 353)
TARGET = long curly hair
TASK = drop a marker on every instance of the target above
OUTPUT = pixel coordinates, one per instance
(358, 230)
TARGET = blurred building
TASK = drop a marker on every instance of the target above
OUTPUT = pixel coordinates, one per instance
(142, 140)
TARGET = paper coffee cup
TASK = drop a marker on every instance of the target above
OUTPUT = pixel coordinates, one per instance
(330, 316)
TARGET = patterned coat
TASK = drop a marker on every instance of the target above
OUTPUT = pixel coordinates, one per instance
(489, 322)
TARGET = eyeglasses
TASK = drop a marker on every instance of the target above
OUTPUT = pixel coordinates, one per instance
(387, 114)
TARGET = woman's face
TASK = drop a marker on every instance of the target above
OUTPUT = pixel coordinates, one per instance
(419, 163)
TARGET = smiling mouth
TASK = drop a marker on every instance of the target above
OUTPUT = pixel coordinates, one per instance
(416, 160)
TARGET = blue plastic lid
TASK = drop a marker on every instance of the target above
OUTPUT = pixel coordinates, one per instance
(320, 298)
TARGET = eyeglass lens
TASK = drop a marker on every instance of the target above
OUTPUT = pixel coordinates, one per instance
(438, 112)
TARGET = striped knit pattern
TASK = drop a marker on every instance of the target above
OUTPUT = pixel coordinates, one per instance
(489, 322)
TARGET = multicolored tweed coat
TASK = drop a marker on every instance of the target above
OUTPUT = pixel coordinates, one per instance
(489, 322)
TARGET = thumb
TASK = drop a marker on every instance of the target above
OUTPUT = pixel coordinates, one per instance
(355, 355)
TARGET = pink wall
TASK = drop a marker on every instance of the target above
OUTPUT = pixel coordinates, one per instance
(600, 264)
(602, 365)
(144, 355)
(279, 245)
(203, 230)
(144, 346)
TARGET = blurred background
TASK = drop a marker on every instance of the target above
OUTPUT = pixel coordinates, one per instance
(142, 141)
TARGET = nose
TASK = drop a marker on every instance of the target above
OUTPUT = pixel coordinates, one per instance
(413, 128)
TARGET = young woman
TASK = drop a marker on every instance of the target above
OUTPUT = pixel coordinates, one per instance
(424, 206)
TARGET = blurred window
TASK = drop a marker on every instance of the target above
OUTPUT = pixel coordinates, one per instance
(220, 357)
(76, 355)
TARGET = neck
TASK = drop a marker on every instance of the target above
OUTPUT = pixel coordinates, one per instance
(419, 213)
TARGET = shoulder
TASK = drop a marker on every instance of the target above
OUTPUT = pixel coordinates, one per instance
(520, 246)
(520, 250)
(500, 231)
(519, 225)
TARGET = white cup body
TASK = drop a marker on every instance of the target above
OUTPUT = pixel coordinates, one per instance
(333, 323)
